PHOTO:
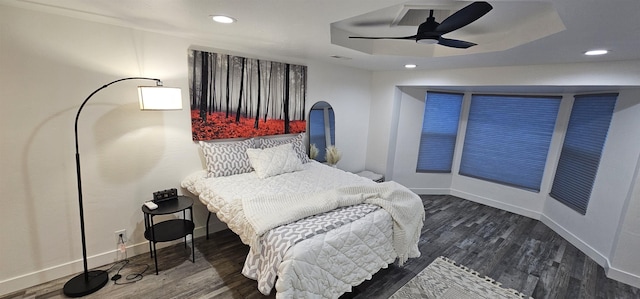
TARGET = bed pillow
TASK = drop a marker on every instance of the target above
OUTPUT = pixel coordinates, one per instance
(297, 142)
(224, 159)
(274, 160)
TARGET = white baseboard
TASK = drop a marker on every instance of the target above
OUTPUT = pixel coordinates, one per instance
(623, 276)
(599, 258)
(37, 277)
(430, 191)
(45, 275)
(496, 204)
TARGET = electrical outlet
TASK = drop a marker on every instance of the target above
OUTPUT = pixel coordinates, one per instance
(122, 232)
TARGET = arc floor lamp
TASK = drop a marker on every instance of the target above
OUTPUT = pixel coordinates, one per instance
(151, 98)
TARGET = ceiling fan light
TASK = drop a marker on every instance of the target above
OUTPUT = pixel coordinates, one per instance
(427, 41)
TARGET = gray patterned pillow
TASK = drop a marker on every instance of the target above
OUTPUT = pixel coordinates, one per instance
(224, 159)
(297, 142)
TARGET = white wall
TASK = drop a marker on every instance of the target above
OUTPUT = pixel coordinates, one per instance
(608, 206)
(607, 229)
(48, 65)
(409, 128)
(625, 251)
(348, 92)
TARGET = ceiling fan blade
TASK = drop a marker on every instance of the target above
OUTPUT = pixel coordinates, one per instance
(375, 37)
(464, 17)
(454, 43)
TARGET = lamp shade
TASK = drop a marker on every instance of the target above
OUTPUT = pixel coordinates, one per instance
(159, 98)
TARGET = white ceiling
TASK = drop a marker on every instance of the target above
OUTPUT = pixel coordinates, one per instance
(515, 32)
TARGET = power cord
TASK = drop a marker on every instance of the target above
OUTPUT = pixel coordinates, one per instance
(131, 278)
(122, 247)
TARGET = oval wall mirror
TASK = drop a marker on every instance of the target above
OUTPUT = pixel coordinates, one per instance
(322, 130)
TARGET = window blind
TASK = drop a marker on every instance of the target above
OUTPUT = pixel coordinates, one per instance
(582, 149)
(439, 131)
(507, 139)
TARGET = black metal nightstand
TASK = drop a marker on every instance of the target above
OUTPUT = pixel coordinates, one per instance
(169, 230)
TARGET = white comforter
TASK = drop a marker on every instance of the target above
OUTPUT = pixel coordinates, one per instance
(267, 212)
(223, 195)
(323, 266)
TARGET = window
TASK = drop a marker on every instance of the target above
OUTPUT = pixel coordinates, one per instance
(582, 149)
(439, 131)
(507, 139)
(322, 131)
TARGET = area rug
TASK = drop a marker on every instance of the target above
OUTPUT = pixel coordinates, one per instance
(444, 279)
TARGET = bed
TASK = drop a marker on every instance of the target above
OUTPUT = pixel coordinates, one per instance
(314, 231)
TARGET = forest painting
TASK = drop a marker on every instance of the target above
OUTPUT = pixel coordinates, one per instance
(234, 97)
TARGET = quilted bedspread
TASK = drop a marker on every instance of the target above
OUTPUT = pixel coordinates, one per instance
(323, 264)
(262, 265)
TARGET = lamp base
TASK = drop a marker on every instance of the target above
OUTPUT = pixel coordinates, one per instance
(78, 286)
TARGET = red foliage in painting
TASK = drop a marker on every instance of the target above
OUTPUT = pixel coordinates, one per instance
(218, 126)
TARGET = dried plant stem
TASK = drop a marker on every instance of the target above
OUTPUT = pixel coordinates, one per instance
(313, 151)
(333, 155)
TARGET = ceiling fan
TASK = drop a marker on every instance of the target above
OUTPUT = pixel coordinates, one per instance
(430, 32)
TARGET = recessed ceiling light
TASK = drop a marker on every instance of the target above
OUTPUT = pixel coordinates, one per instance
(410, 66)
(596, 52)
(223, 19)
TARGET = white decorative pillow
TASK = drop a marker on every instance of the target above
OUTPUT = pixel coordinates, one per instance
(274, 160)
(297, 142)
(224, 159)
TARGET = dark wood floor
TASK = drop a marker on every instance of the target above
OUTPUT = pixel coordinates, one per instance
(519, 252)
